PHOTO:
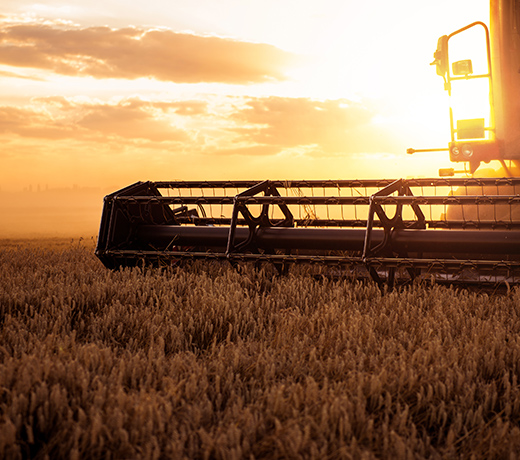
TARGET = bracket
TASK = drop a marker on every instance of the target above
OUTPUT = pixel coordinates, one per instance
(390, 225)
(240, 206)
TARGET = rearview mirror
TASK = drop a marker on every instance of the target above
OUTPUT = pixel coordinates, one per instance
(441, 56)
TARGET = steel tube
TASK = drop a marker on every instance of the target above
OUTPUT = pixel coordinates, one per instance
(404, 241)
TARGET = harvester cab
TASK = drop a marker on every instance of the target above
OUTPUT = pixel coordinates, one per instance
(484, 92)
(448, 229)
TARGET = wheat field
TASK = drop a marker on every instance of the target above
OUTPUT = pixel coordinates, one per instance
(207, 362)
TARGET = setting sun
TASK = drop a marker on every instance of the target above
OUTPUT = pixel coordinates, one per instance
(98, 96)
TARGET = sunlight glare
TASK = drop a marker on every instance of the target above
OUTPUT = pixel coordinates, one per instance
(471, 97)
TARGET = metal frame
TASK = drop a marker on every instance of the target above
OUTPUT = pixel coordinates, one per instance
(139, 223)
(488, 75)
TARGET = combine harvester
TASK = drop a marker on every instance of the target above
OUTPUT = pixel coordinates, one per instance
(449, 229)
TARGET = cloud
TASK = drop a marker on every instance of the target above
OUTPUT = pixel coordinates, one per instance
(60, 118)
(6, 74)
(28, 123)
(60, 140)
(130, 120)
(332, 126)
(231, 126)
(131, 53)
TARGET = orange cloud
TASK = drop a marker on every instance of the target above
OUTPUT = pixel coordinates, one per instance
(332, 126)
(61, 141)
(60, 118)
(129, 121)
(131, 53)
(235, 126)
(6, 74)
(29, 123)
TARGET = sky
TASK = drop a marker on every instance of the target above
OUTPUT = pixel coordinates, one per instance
(105, 93)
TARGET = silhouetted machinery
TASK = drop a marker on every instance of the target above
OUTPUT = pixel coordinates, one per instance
(448, 229)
